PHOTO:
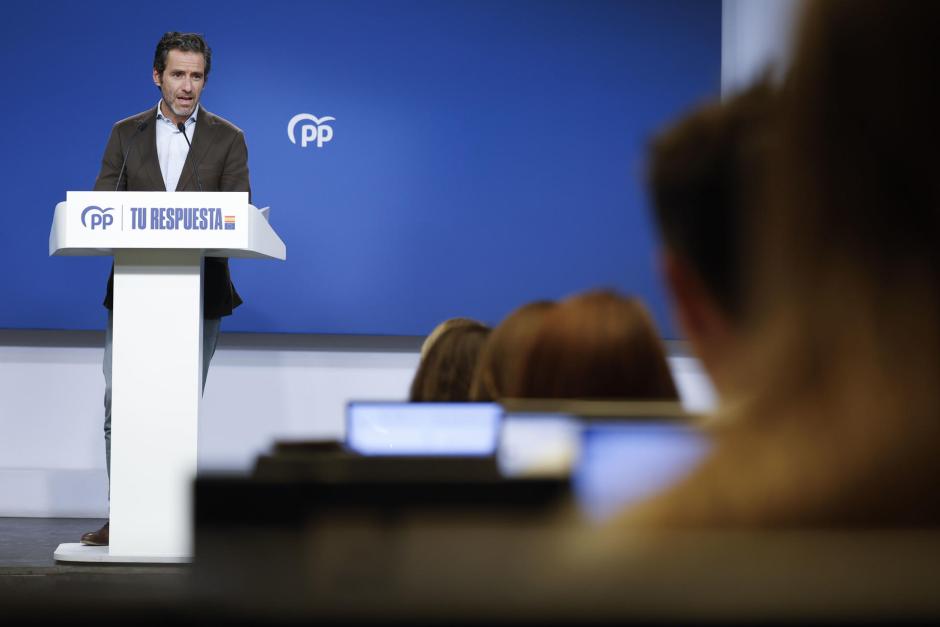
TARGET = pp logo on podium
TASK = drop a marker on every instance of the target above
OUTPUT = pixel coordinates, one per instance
(318, 131)
(94, 217)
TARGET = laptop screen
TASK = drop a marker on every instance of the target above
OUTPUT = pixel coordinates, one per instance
(392, 428)
(623, 463)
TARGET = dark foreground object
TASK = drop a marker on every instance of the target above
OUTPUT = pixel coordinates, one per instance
(334, 540)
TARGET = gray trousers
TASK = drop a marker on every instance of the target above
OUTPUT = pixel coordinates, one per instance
(211, 327)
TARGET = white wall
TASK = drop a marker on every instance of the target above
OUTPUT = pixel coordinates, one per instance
(260, 388)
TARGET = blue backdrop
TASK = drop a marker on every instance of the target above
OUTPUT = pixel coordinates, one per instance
(484, 154)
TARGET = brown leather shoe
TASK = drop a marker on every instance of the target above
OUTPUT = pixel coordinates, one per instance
(97, 538)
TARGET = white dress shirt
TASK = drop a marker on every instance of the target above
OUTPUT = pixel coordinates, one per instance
(172, 147)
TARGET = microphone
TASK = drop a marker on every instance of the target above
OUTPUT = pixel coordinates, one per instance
(141, 125)
(182, 128)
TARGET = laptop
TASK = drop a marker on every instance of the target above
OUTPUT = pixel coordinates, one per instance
(422, 429)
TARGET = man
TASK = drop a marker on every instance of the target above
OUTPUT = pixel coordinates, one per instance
(705, 176)
(159, 158)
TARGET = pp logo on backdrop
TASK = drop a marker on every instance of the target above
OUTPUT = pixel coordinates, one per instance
(99, 217)
(314, 129)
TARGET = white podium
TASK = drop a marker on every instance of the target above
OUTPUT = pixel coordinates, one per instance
(158, 240)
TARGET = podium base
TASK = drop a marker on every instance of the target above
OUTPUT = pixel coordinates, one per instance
(76, 552)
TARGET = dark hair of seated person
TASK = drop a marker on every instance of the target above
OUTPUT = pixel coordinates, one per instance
(497, 373)
(447, 365)
(597, 345)
(706, 173)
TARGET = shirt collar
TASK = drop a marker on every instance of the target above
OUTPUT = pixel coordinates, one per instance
(189, 122)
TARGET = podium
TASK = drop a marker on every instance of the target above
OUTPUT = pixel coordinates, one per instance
(158, 240)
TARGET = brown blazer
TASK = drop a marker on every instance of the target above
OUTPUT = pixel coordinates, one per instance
(219, 149)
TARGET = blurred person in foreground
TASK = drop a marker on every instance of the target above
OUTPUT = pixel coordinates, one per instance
(705, 178)
(500, 363)
(448, 359)
(596, 345)
(840, 416)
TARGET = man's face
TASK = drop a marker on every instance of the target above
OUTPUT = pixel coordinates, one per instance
(181, 83)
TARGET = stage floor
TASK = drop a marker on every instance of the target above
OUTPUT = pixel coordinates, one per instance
(30, 542)
(27, 564)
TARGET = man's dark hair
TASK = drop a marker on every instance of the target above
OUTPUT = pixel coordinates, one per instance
(187, 42)
(706, 176)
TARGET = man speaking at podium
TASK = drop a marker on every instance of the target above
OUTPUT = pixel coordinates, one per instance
(176, 145)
